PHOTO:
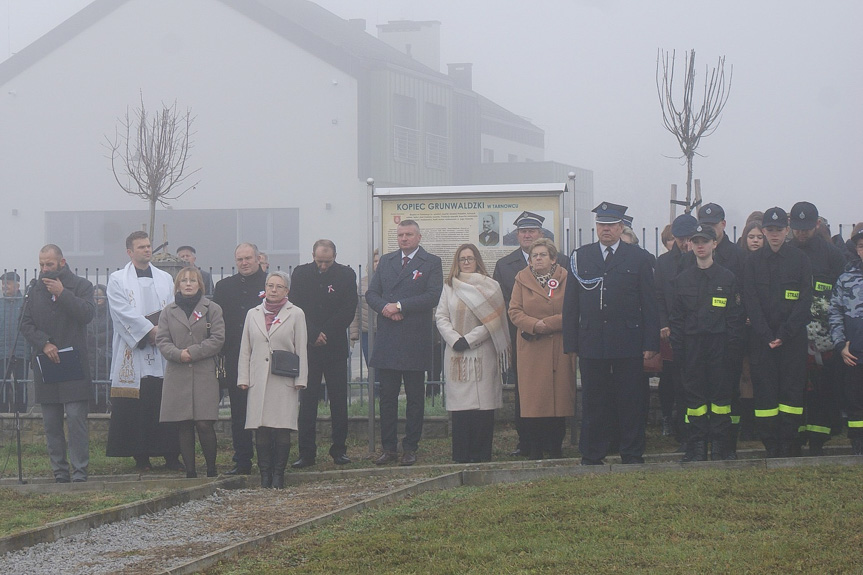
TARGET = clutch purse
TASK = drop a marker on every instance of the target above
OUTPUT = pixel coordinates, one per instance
(285, 363)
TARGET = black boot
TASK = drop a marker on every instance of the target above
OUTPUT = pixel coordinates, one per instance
(816, 445)
(857, 445)
(265, 464)
(695, 451)
(771, 448)
(719, 451)
(283, 453)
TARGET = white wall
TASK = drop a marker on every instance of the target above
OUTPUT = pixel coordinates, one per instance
(503, 147)
(275, 127)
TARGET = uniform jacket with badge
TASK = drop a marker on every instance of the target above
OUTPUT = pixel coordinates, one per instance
(274, 400)
(329, 302)
(777, 293)
(706, 301)
(546, 380)
(63, 322)
(190, 390)
(405, 345)
(627, 322)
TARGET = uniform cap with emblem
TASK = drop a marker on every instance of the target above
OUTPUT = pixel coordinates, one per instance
(608, 213)
(704, 231)
(528, 220)
(711, 214)
(775, 217)
(683, 226)
(804, 216)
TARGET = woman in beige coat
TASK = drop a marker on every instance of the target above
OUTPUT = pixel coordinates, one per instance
(546, 382)
(273, 403)
(191, 332)
(471, 319)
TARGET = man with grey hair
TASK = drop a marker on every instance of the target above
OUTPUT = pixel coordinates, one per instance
(60, 307)
(326, 291)
(236, 295)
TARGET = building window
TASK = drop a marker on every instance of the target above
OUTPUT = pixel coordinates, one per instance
(405, 133)
(487, 156)
(436, 140)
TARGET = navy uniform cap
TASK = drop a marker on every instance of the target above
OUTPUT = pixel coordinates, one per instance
(683, 226)
(608, 213)
(528, 220)
(704, 231)
(804, 216)
(711, 214)
(774, 217)
(10, 277)
(628, 220)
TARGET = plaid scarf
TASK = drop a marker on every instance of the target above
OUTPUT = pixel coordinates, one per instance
(483, 298)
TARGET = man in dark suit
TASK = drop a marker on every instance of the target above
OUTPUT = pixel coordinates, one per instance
(326, 291)
(404, 292)
(488, 236)
(528, 227)
(610, 319)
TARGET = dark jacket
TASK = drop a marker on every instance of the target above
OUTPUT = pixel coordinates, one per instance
(627, 324)
(777, 293)
(706, 301)
(64, 323)
(827, 264)
(236, 295)
(329, 301)
(407, 344)
(668, 266)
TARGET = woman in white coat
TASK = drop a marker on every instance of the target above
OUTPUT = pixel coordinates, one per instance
(471, 318)
(273, 404)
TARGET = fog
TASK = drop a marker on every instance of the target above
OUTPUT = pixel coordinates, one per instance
(584, 71)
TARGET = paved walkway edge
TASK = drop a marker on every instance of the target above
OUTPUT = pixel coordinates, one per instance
(211, 559)
(66, 527)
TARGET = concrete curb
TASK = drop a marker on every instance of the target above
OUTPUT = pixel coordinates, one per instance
(59, 529)
(211, 559)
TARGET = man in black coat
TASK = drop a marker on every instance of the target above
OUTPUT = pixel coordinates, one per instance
(610, 320)
(236, 295)
(59, 307)
(326, 291)
(528, 229)
(823, 395)
(404, 292)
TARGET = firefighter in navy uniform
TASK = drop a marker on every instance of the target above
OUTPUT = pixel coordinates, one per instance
(730, 256)
(706, 323)
(777, 292)
(823, 366)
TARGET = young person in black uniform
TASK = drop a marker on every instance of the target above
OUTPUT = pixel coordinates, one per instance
(777, 292)
(706, 324)
(327, 292)
(610, 320)
(822, 410)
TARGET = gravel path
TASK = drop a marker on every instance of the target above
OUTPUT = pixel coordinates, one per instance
(174, 536)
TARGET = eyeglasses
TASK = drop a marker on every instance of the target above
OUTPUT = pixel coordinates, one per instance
(468, 260)
(276, 286)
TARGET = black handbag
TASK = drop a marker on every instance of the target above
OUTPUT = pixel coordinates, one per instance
(285, 363)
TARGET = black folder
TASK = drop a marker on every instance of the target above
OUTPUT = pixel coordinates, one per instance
(70, 367)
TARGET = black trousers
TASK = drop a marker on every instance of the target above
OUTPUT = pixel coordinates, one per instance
(472, 434)
(821, 390)
(545, 436)
(613, 397)
(391, 383)
(707, 384)
(334, 369)
(242, 437)
(779, 387)
(853, 385)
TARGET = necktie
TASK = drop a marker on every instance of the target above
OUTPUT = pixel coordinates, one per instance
(405, 261)
(609, 253)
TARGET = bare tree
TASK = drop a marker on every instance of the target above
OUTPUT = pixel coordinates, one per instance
(150, 153)
(687, 123)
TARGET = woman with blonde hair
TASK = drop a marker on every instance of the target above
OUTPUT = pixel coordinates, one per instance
(191, 332)
(471, 318)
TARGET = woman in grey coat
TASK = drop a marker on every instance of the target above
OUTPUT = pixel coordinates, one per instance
(191, 333)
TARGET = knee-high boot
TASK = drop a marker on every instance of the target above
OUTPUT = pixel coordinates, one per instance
(264, 445)
(280, 460)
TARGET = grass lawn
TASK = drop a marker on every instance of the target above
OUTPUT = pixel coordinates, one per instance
(794, 520)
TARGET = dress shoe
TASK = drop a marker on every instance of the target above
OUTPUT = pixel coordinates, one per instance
(302, 462)
(61, 480)
(408, 458)
(387, 457)
(341, 459)
(174, 465)
(240, 470)
(588, 461)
